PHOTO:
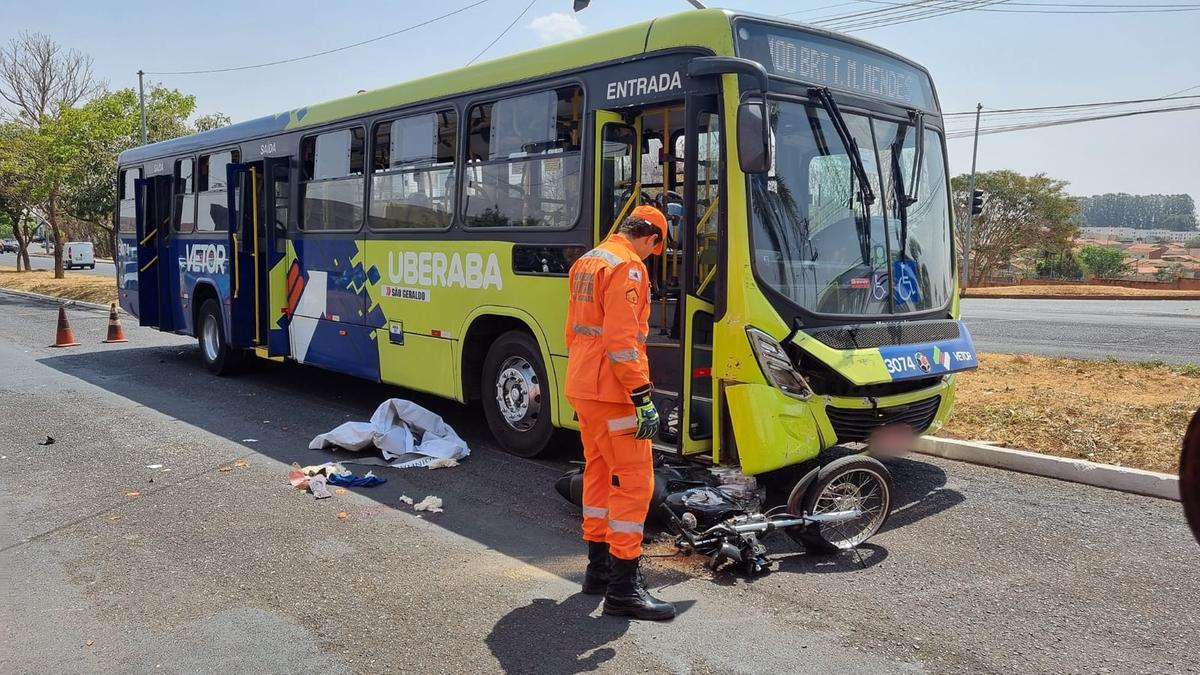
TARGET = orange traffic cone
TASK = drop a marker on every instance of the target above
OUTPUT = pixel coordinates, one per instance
(64, 337)
(115, 332)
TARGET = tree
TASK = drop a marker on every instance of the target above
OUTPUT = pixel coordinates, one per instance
(107, 126)
(39, 80)
(1020, 212)
(1194, 242)
(212, 121)
(1143, 212)
(1103, 262)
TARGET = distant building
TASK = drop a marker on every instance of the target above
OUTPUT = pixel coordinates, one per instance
(1146, 251)
(1133, 234)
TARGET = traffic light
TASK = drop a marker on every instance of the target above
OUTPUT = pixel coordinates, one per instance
(977, 203)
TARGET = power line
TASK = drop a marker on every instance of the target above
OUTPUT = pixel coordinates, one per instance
(503, 32)
(1071, 8)
(903, 13)
(1077, 120)
(1098, 104)
(327, 51)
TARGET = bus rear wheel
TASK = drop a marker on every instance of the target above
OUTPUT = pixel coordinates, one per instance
(218, 356)
(515, 395)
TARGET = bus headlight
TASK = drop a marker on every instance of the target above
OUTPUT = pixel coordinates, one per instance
(776, 365)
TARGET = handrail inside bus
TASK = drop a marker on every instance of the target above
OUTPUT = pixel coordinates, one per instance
(633, 195)
(148, 236)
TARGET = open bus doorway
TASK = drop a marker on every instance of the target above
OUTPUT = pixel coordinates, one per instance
(670, 157)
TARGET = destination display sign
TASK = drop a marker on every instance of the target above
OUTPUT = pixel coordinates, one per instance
(838, 65)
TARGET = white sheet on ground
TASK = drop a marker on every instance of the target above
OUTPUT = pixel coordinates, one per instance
(406, 434)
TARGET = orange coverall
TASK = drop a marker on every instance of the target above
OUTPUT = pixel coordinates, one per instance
(607, 326)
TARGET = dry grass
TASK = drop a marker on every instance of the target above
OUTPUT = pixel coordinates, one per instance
(1076, 290)
(85, 287)
(1128, 414)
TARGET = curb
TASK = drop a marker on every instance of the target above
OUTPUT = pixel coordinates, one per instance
(1080, 297)
(56, 300)
(1136, 481)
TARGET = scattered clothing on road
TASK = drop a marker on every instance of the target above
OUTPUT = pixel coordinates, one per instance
(406, 435)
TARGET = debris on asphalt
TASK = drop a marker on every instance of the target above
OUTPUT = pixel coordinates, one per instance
(224, 468)
(49, 441)
(405, 434)
(348, 479)
(249, 440)
(89, 643)
(406, 499)
(154, 466)
(297, 477)
(133, 493)
(431, 504)
(241, 462)
(340, 491)
(443, 463)
(116, 518)
(342, 515)
(316, 485)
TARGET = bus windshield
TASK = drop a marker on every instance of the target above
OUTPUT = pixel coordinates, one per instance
(820, 247)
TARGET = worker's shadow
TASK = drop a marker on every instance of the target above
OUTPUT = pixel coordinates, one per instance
(546, 636)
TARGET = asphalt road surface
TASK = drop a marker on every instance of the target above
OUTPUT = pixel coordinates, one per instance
(1128, 330)
(111, 563)
(41, 262)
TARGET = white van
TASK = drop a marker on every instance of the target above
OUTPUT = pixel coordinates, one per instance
(79, 254)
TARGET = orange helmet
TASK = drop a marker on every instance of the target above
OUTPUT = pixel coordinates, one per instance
(656, 218)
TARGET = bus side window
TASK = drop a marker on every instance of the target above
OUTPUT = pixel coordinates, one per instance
(184, 217)
(412, 185)
(212, 209)
(331, 175)
(127, 202)
(616, 173)
(523, 160)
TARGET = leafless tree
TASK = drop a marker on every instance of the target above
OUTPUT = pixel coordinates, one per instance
(38, 80)
(37, 75)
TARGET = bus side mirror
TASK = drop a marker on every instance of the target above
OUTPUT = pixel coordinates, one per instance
(754, 137)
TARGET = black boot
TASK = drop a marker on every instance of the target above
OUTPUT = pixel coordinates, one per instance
(595, 580)
(627, 596)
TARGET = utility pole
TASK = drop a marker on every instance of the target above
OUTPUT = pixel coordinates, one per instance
(970, 201)
(142, 105)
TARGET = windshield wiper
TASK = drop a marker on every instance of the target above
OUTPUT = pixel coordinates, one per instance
(904, 198)
(865, 194)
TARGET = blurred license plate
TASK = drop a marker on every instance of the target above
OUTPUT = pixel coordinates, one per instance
(892, 440)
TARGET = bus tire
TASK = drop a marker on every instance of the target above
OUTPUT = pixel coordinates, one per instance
(515, 395)
(218, 356)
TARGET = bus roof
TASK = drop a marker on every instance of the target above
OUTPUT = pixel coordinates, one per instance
(709, 29)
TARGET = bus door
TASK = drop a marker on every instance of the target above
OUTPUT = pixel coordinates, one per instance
(153, 204)
(700, 234)
(257, 236)
(246, 242)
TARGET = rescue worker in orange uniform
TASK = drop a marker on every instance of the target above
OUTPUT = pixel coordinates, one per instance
(608, 383)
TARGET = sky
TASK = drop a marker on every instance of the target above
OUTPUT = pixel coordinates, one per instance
(1002, 60)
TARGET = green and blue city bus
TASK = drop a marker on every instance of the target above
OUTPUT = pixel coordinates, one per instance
(420, 234)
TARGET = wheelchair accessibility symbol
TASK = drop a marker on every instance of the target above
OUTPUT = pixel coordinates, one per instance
(904, 277)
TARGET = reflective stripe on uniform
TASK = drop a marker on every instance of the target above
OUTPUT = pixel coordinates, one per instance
(625, 526)
(584, 329)
(607, 256)
(623, 356)
(641, 338)
(622, 423)
(595, 512)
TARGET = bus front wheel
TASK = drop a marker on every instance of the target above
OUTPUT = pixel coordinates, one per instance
(515, 395)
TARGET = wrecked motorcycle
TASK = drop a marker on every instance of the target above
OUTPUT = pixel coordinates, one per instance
(720, 512)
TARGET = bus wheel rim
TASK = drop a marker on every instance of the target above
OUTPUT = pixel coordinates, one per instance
(211, 339)
(519, 393)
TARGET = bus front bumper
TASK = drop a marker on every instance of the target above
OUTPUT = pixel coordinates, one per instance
(774, 430)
